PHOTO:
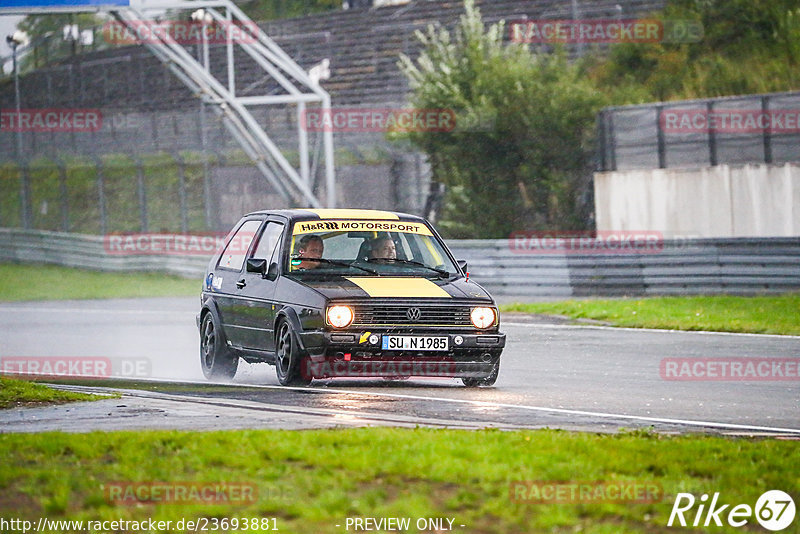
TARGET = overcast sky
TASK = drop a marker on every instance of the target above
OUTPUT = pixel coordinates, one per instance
(7, 26)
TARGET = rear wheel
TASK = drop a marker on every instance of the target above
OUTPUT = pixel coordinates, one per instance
(488, 380)
(287, 357)
(216, 359)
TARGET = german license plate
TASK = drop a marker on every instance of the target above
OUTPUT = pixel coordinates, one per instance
(414, 343)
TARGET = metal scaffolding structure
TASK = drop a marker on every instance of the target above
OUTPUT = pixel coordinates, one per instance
(294, 185)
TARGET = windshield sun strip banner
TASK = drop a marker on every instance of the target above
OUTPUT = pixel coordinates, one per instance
(309, 227)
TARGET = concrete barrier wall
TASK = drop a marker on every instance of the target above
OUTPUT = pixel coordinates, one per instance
(690, 266)
(721, 201)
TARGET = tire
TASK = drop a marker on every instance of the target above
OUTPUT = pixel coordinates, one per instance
(486, 381)
(216, 359)
(287, 357)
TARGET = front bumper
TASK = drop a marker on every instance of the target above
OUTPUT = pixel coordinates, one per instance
(352, 354)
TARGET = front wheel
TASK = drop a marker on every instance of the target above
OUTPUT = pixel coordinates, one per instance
(217, 360)
(287, 358)
(488, 380)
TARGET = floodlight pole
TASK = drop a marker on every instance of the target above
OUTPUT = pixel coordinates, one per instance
(575, 16)
(14, 45)
(12, 41)
(302, 139)
(327, 141)
(202, 51)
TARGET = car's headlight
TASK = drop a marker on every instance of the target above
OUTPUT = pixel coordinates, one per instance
(482, 317)
(340, 316)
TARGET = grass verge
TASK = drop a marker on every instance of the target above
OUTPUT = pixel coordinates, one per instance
(779, 314)
(50, 282)
(311, 481)
(15, 393)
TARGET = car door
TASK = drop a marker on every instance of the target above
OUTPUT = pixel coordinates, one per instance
(255, 309)
(227, 279)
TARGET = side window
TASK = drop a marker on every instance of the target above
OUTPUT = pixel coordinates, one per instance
(233, 256)
(269, 240)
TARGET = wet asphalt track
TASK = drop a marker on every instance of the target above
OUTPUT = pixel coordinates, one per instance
(558, 376)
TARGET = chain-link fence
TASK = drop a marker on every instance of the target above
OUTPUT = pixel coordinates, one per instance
(700, 133)
(159, 160)
(73, 39)
(112, 142)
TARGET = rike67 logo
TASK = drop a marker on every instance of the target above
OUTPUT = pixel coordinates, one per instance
(774, 510)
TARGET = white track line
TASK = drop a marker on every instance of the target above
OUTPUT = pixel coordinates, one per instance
(282, 408)
(602, 415)
(630, 329)
(687, 422)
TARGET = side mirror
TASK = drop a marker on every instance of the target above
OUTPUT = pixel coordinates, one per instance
(272, 273)
(462, 264)
(257, 266)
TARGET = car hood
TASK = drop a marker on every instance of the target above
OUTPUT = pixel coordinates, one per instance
(396, 287)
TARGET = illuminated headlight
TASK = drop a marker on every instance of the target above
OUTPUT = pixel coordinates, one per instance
(340, 316)
(482, 317)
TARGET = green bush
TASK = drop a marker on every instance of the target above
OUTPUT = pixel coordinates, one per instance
(522, 145)
(748, 47)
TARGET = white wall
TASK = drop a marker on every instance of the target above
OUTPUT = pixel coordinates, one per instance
(721, 201)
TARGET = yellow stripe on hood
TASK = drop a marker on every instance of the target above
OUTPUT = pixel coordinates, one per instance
(399, 287)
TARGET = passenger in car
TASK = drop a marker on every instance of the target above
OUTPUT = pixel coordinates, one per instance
(383, 248)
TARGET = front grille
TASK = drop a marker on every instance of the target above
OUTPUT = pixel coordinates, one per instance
(369, 315)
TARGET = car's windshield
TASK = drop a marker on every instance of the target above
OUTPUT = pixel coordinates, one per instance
(367, 248)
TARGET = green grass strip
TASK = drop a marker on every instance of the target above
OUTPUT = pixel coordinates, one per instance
(779, 314)
(20, 282)
(15, 393)
(311, 481)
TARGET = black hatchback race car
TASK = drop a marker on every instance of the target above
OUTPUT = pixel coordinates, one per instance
(326, 293)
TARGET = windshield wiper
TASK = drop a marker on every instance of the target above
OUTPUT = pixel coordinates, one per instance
(440, 272)
(340, 263)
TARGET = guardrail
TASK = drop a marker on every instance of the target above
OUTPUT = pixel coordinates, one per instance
(89, 252)
(742, 266)
(695, 266)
